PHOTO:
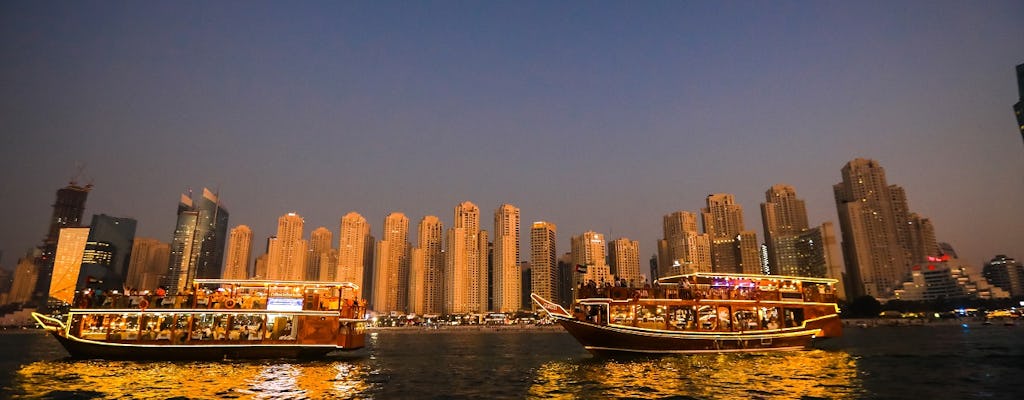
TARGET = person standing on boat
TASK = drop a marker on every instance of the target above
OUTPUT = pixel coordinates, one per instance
(160, 293)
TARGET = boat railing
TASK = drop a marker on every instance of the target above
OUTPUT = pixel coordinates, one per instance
(347, 307)
(710, 293)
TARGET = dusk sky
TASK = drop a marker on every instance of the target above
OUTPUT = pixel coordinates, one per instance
(593, 115)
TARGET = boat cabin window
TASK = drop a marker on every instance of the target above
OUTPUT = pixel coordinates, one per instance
(724, 319)
(681, 317)
(793, 317)
(93, 326)
(124, 327)
(621, 314)
(596, 313)
(769, 317)
(220, 326)
(246, 327)
(280, 327)
(150, 327)
(202, 327)
(746, 319)
(651, 316)
(707, 319)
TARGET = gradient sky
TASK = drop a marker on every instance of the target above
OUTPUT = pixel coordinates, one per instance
(593, 115)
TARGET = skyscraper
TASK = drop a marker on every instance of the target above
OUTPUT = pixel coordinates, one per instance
(624, 260)
(286, 257)
(1006, 273)
(920, 238)
(67, 264)
(320, 242)
(355, 252)
(391, 269)
(1018, 108)
(544, 277)
(875, 261)
(329, 265)
(682, 249)
(733, 249)
(239, 253)
(430, 244)
(197, 248)
(784, 217)
(147, 264)
(588, 255)
(507, 275)
(567, 276)
(465, 274)
(24, 281)
(108, 251)
(526, 277)
(67, 212)
(417, 280)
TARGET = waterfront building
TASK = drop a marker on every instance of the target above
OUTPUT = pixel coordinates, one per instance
(784, 217)
(1018, 108)
(506, 273)
(320, 242)
(682, 249)
(430, 243)
(566, 279)
(148, 262)
(107, 251)
(286, 256)
(391, 266)
(465, 274)
(1006, 273)
(236, 266)
(355, 252)
(624, 260)
(544, 276)
(948, 250)
(24, 281)
(260, 267)
(67, 212)
(329, 265)
(914, 233)
(6, 280)
(588, 255)
(920, 238)
(482, 283)
(733, 249)
(197, 248)
(949, 279)
(417, 279)
(67, 264)
(881, 238)
(526, 277)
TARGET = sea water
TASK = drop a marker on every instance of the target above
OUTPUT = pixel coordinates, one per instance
(921, 362)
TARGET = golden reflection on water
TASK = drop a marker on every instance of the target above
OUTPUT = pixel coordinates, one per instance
(200, 380)
(815, 374)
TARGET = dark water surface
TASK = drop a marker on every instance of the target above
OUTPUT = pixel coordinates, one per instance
(919, 362)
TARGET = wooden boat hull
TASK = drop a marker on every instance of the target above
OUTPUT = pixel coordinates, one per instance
(80, 348)
(605, 338)
(611, 339)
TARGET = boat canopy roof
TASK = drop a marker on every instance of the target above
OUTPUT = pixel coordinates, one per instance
(258, 283)
(716, 277)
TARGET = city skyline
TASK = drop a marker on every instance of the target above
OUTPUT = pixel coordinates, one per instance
(601, 118)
